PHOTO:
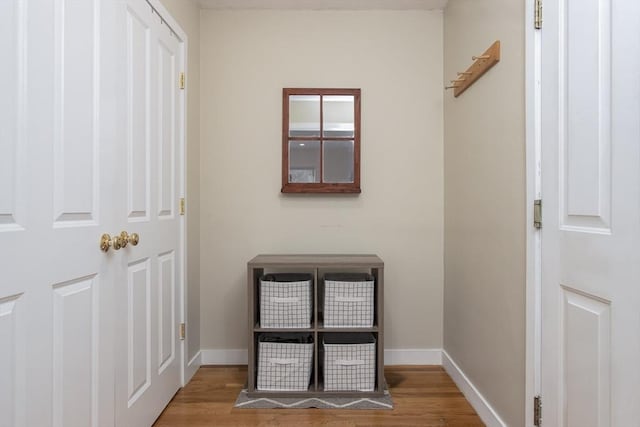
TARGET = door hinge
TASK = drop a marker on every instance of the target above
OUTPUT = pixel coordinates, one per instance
(181, 84)
(183, 331)
(537, 15)
(537, 411)
(182, 208)
(537, 213)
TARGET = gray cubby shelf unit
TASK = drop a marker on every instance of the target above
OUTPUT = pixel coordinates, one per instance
(317, 266)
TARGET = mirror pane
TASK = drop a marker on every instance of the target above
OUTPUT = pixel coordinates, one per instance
(304, 115)
(338, 116)
(304, 161)
(338, 161)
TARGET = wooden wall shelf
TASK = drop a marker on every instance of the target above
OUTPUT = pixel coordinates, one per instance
(481, 65)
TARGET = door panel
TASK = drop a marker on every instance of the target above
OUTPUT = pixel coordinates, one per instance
(139, 329)
(591, 222)
(12, 360)
(166, 126)
(75, 352)
(586, 355)
(585, 87)
(12, 141)
(138, 109)
(167, 310)
(76, 127)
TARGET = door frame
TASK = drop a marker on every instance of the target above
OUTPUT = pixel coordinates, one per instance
(187, 367)
(533, 250)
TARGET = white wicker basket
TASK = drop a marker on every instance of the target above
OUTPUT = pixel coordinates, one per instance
(349, 366)
(348, 303)
(284, 366)
(285, 304)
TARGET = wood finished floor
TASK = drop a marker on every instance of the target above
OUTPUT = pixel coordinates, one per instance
(422, 396)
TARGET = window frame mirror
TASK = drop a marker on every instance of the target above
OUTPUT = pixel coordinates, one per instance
(310, 133)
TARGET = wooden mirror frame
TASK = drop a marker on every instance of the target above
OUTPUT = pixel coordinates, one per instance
(320, 187)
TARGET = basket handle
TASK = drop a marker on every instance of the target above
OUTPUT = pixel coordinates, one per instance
(285, 300)
(349, 362)
(351, 299)
(277, 361)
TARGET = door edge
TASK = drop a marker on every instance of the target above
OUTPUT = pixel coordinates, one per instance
(533, 184)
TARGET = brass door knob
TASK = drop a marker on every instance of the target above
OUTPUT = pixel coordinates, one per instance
(127, 238)
(106, 242)
(118, 243)
(134, 239)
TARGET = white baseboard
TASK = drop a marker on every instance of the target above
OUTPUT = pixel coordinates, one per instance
(486, 413)
(391, 357)
(192, 367)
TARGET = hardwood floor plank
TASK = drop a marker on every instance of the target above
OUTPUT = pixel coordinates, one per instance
(422, 396)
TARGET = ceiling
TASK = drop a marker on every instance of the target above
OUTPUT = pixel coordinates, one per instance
(324, 4)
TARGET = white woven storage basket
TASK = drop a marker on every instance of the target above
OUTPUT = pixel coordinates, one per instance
(284, 366)
(285, 304)
(348, 303)
(349, 366)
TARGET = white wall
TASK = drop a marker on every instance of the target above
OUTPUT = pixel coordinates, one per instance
(187, 14)
(484, 296)
(395, 57)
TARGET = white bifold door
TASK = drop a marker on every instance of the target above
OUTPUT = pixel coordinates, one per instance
(148, 372)
(591, 213)
(90, 143)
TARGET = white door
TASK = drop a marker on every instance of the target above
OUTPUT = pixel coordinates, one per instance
(69, 172)
(56, 163)
(591, 213)
(147, 314)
